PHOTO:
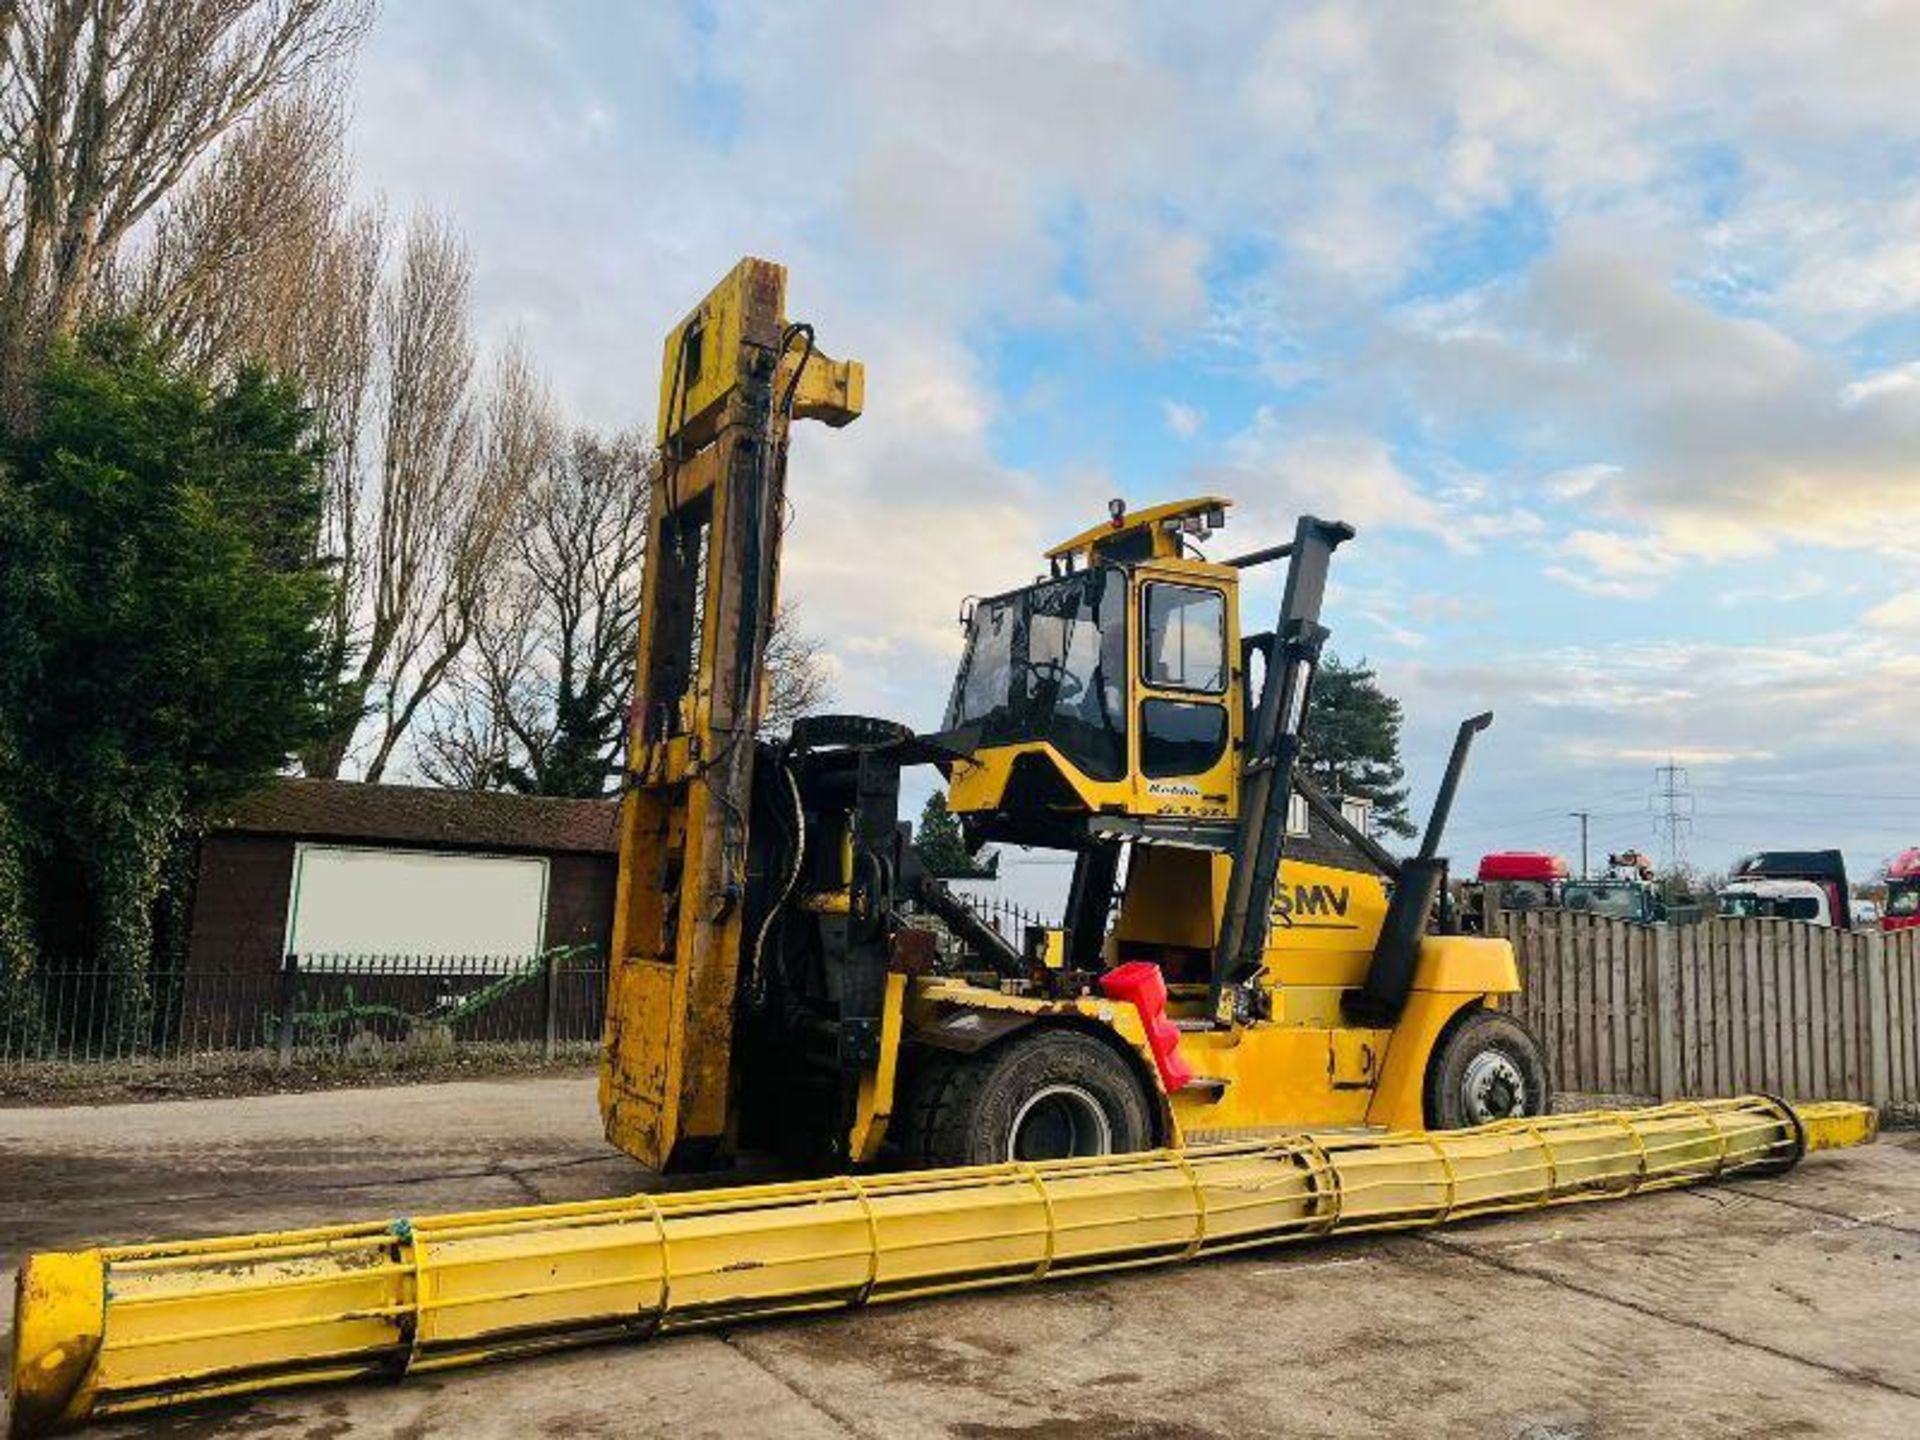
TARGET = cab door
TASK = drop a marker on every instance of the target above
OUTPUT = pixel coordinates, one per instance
(1187, 730)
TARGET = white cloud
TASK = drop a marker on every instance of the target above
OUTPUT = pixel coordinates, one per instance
(1392, 630)
(1578, 481)
(1616, 565)
(899, 517)
(1182, 419)
(964, 157)
(1674, 755)
(1154, 272)
(1785, 589)
(1849, 258)
(1900, 613)
(1347, 476)
(1499, 526)
(1822, 698)
(1598, 586)
(1727, 437)
(1899, 382)
(1716, 192)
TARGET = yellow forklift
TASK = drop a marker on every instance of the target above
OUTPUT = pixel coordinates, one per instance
(1212, 1001)
(775, 978)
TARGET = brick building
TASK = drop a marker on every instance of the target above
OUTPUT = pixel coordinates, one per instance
(327, 866)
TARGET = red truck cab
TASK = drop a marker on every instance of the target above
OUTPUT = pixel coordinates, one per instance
(1523, 879)
(1902, 910)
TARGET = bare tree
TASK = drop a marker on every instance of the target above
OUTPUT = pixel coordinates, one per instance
(336, 364)
(469, 742)
(260, 256)
(106, 106)
(799, 678)
(540, 703)
(445, 473)
(233, 264)
(474, 524)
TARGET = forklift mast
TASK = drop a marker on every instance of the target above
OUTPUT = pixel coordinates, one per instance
(735, 375)
(1273, 751)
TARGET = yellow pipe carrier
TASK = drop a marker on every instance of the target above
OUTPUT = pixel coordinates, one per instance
(1254, 1026)
(132, 1328)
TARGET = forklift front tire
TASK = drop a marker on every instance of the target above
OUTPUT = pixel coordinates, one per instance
(1043, 1095)
(1486, 1067)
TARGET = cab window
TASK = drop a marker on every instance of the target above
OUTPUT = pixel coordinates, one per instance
(1186, 638)
(1049, 663)
(1180, 737)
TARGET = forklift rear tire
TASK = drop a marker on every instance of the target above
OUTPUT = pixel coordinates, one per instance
(1486, 1067)
(1043, 1095)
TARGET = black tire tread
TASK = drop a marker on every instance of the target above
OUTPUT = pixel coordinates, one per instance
(947, 1089)
(1473, 1030)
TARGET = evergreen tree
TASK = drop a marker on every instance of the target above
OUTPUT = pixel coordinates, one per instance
(160, 613)
(940, 842)
(1351, 746)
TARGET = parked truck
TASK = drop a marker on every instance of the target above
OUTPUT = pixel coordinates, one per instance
(1807, 885)
(1625, 892)
(1511, 880)
(1901, 910)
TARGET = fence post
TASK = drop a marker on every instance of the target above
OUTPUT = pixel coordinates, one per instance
(1878, 1031)
(549, 1004)
(1666, 1014)
(289, 973)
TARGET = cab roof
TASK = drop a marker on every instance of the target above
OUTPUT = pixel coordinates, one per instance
(1155, 518)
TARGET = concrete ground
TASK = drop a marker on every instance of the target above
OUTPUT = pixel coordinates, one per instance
(1771, 1307)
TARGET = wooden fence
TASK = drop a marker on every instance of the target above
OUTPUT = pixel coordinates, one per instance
(1720, 1008)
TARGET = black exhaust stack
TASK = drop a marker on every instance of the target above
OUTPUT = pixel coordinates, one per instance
(1417, 884)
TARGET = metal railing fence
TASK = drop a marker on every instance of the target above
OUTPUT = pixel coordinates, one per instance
(344, 1005)
(1009, 920)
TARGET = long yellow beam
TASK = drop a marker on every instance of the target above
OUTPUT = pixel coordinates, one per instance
(124, 1329)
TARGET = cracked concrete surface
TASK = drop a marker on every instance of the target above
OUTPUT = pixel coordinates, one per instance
(1771, 1307)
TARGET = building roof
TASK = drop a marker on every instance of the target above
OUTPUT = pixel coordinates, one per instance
(424, 815)
(1322, 846)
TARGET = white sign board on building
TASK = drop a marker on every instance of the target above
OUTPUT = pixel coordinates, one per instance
(352, 900)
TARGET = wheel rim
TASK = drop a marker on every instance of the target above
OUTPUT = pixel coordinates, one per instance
(1059, 1122)
(1493, 1088)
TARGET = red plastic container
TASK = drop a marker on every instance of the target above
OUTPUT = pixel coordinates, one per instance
(1140, 984)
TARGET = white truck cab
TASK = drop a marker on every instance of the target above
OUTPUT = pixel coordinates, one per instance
(1778, 900)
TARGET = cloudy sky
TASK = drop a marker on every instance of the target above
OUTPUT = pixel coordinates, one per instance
(1602, 323)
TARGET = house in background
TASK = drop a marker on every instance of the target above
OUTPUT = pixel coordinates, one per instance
(330, 868)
